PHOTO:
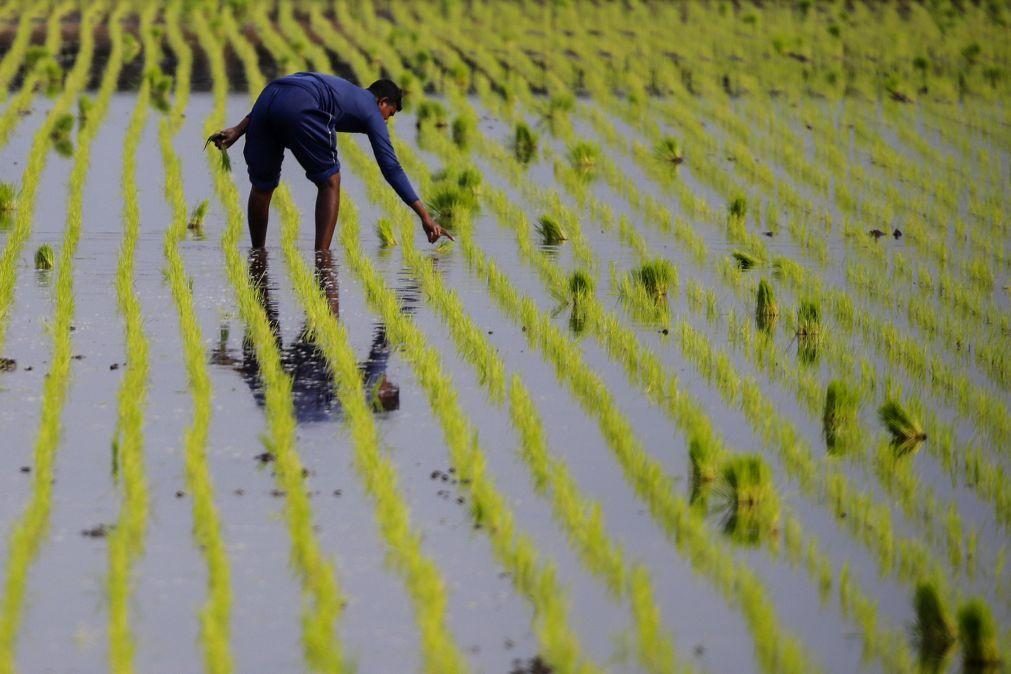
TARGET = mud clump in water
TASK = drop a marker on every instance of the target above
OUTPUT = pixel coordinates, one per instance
(8, 365)
(98, 531)
(535, 665)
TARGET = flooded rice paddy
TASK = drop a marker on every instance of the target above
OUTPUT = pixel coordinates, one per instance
(714, 378)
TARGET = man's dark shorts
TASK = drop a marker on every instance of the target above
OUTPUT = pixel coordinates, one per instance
(287, 116)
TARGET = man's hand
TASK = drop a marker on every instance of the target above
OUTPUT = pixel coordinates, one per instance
(225, 138)
(434, 231)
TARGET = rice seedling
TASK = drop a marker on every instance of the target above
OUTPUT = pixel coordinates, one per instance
(977, 636)
(449, 205)
(85, 105)
(555, 111)
(668, 150)
(550, 231)
(766, 307)
(8, 196)
(840, 415)
(749, 499)
(161, 86)
(745, 261)
(655, 277)
(463, 130)
(584, 157)
(62, 127)
(905, 429)
(738, 208)
(431, 114)
(524, 143)
(934, 630)
(45, 258)
(386, 232)
(808, 319)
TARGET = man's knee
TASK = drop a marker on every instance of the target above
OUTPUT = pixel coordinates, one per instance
(330, 182)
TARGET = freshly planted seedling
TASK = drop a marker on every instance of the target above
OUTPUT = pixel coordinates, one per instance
(705, 461)
(226, 162)
(580, 292)
(745, 261)
(463, 130)
(840, 414)
(161, 87)
(45, 258)
(977, 634)
(655, 277)
(8, 196)
(550, 231)
(431, 114)
(905, 429)
(738, 208)
(584, 157)
(934, 630)
(449, 204)
(808, 319)
(84, 108)
(668, 150)
(61, 129)
(387, 233)
(197, 215)
(524, 143)
(766, 308)
(556, 110)
(749, 499)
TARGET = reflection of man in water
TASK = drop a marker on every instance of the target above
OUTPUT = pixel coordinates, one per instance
(314, 394)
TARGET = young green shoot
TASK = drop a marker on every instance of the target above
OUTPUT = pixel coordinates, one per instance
(45, 258)
(550, 231)
(668, 150)
(8, 196)
(840, 415)
(655, 277)
(387, 233)
(524, 143)
(766, 308)
(905, 429)
(934, 630)
(977, 634)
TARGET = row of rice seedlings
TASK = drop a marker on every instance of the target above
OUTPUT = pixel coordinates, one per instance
(651, 484)
(19, 203)
(126, 540)
(13, 113)
(15, 54)
(580, 516)
(422, 578)
(30, 529)
(321, 646)
(215, 614)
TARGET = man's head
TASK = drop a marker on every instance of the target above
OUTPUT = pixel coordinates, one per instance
(388, 95)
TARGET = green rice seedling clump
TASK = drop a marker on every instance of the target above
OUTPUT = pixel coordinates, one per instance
(839, 415)
(197, 215)
(934, 630)
(669, 151)
(977, 634)
(449, 204)
(431, 113)
(904, 428)
(161, 87)
(386, 231)
(745, 261)
(655, 277)
(704, 457)
(84, 108)
(738, 208)
(524, 143)
(584, 157)
(750, 501)
(580, 285)
(463, 130)
(550, 231)
(766, 308)
(8, 196)
(808, 318)
(45, 258)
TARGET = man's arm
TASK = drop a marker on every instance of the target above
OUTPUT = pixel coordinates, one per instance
(225, 138)
(394, 173)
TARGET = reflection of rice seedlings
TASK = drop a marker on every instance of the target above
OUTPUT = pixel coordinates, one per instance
(745, 261)
(839, 415)
(766, 308)
(669, 150)
(655, 277)
(386, 231)
(934, 630)
(749, 499)
(8, 196)
(977, 634)
(584, 158)
(905, 429)
(45, 258)
(524, 143)
(550, 231)
(463, 130)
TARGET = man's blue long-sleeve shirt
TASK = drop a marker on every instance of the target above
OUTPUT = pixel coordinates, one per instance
(354, 110)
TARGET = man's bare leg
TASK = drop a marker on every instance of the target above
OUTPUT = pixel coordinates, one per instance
(328, 200)
(257, 210)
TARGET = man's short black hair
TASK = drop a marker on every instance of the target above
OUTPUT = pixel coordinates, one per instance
(388, 90)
